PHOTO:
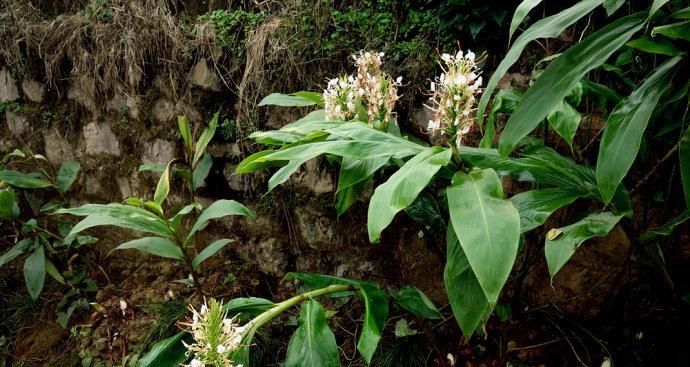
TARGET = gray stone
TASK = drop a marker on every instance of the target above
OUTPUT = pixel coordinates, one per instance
(164, 111)
(93, 186)
(313, 177)
(270, 257)
(124, 104)
(8, 88)
(124, 186)
(236, 181)
(57, 149)
(83, 93)
(33, 90)
(419, 118)
(100, 139)
(315, 226)
(160, 152)
(18, 124)
(203, 76)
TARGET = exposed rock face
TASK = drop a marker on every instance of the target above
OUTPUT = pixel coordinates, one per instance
(84, 94)
(18, 124)
(236, 181)
(270, 257)
(57, 149)
(589, 282)
(33, 90)
(419, 118)
(164, 111)
(313, 177)
(205, 77)
(160, 152)
(8, 88)
(100, 139)
(124, 104)
(315, 227)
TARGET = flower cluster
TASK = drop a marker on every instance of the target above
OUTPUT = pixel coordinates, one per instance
(340, 102)
(453, 95)
(216, 337)
(369, 97)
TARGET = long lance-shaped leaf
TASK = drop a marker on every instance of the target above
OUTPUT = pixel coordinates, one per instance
(35, 272)
(548, 27)
(23, 180)
(487, 225)
(684, 155)
(67, 174)
(467, 299)
(300, 99)
(218, 209)
(656, 5)
(563, 74)
(168, 352)
(158, 246)
(535, 206)
(209, 251)
(561, 243)
(354, 176)
(163, 186)
(117, 215)
(625, 127)
(313, 343)
(520, 14)
(284, 173)
(204, 139)
(403, 187)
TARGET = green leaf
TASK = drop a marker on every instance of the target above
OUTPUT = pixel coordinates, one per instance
(16, 250)
(204, 139)
(612, 5)
(375, 302)
(284, 173)
(402, 188)
(247, 307)
(315, 97)
(425, 210)
(163, 187)
(185, 131)
(154, 167)
(487, 225)
(168, 352)
(125, 216)
(288, 100)
(666, 229)
(467, 299)
(549, 27)
(684, 157)
(505, 102)
(354, 175)
(175, 221)
(658, 45)
(561, 246)
(656, 5)
(53, 271)
(35, 272)
(67, 174)
(8, 207)
(535, 206)
(313, 343)
(675, 31)
(625, 127)
(599, 90)
(158, 246)
(416, 302)
(563, 74)
(23, 180)
(682, 13)
(565, 119)
(201, 171)
(209, 251)
(520, 14)
(218, 209)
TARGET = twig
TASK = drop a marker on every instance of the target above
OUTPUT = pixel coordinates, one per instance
(653, 171)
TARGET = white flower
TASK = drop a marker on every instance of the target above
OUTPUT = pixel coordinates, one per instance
(220, 349)
(342, 84)
(433, 87)
(470, 56)
(398, 80)
(477, 83)
(196, 363)
(446, 57)
(350, 106)
(459, 55)
(381, 54)
(203, 309)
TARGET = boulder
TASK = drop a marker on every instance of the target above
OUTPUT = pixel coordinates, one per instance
(100, 139)
(84, 93)
(57, 148)
(165, 111)
(160, 152)
(203, 76)
(314, 178)
(18, 124)
(124, 105)
(315, 227)
(8, 88)
(33, 90)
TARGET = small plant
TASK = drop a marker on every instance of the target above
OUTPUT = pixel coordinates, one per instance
(45, 245)
(215, 335)
(232, 27)
(172, 239)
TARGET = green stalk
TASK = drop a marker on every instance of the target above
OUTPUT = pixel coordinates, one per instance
(279, 308)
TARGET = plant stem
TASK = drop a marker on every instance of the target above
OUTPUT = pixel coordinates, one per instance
(279, 308)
